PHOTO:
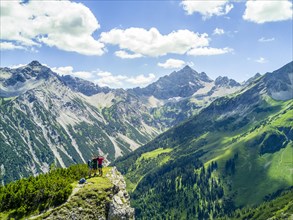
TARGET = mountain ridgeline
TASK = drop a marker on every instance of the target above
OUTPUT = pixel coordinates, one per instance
(236, 152)
(189, 147)
(47, 118)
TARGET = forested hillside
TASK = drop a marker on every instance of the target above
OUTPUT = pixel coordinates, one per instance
(232, 154)
(36, 194)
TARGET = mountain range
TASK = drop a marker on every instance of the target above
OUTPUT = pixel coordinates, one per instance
(236, 152)
(47, 118)
(189, 147)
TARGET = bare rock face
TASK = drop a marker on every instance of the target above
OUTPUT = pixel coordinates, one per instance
(119, 208)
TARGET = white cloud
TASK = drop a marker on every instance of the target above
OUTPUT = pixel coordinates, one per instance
(152, 43)
(268, 11)
(47, 22)
(118, 81)
(207, 8)
(172, 63)
(261, 60)
(68, 70)
(209, 51)
(141, 79)
(105, 78)
(104, 73)
(124, 55)
(218, 31)
(10, 46)
(17, 66)
(263, 39)
(111, 81)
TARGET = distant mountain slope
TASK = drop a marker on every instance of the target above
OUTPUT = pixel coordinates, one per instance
(175, 97)
(233, 153)
(183, 84)
(85, 87)
(178, 84)
(44, 121)
(276, 206)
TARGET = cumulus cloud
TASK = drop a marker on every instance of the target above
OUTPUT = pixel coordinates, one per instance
(207, 8)
(261, 60)
(218, 31)
(118, 81)
(263, 39)
(68, 70)
(141, 79)
(152, 42)
(172, 63)
(209, 51)
(17, 66)
(10, 46)
(268, 11)
(142, 42)
(105, 78)
(36, 23)
(124, 55)
(111, 80)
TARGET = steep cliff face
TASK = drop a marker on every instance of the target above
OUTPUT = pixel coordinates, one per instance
(103, 198)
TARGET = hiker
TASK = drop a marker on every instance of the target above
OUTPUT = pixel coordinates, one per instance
(90, 166)
(95, 165)
(100, 165)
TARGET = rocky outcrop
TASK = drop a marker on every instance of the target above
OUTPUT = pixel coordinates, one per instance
(119, 208)
(83, 86)
(103, 198)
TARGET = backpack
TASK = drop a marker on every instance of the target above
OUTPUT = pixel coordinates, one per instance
(82, 181)
(89, 163)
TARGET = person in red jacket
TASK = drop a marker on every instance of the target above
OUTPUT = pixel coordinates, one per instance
(100, 165)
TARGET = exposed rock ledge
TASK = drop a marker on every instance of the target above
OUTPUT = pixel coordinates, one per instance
(102, 198)
(119, 208)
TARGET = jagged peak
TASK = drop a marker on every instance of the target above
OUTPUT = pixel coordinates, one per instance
(35, 63)
(257, 75)
(187, 67)
(224, 80)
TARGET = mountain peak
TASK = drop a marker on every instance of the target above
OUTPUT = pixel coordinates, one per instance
(187, 67)
(225, 81)
(34, 63)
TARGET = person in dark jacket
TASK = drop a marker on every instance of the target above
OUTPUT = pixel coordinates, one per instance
(100, 165)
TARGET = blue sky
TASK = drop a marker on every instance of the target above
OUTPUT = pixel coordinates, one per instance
(133, 43)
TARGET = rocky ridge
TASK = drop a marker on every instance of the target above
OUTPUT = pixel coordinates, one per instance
(103, 198)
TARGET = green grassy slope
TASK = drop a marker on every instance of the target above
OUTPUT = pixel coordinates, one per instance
(256, 173)
(247, 135)
(56, 194)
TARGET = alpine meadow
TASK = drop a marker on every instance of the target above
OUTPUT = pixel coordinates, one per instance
(152, 110)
